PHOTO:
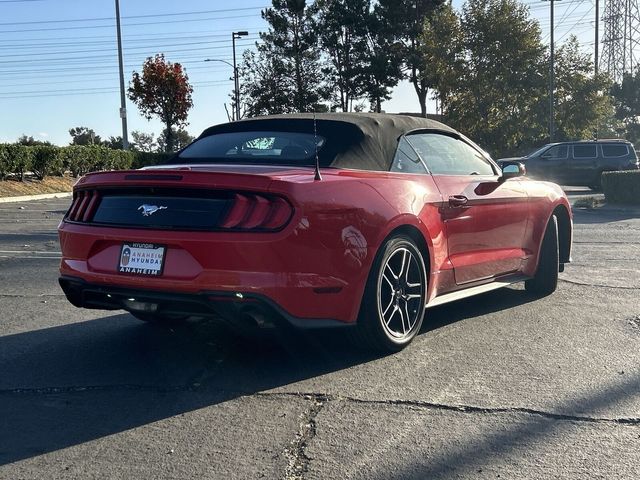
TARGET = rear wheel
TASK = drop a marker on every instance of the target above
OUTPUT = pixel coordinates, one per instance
(545, 280)
(393, 304)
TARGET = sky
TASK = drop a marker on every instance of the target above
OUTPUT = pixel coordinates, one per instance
(59, 64)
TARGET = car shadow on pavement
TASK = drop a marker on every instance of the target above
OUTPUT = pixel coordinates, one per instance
(478, 452)
(70, 384)
(476, 306)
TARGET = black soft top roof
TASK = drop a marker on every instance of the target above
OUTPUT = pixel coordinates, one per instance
(365, 141)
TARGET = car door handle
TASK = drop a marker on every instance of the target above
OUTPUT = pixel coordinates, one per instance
(457, 201)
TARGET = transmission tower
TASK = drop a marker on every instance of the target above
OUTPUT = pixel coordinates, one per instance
(621, 39)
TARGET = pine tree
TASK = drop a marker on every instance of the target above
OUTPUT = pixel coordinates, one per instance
(342, 27)
(287, 63)
(404, 21)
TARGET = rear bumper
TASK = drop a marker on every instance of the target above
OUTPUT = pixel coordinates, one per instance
(235, 307)
(296, 270)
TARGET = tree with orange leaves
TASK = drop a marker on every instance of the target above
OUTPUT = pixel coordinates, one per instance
(162, 90)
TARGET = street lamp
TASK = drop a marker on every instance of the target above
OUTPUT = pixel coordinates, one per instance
(236, 80)
(234, 76)
(234, 36)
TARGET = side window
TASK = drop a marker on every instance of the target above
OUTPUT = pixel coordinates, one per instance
(584, 151)
(557, 151)
(445, 155)
(406, 160)
(614, 150)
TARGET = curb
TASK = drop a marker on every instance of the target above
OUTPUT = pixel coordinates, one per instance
(611, 208)
(42, 196)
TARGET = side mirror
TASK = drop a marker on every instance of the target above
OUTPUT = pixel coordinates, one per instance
(512, 170)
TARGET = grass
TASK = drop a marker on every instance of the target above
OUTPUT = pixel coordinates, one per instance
(31, 186)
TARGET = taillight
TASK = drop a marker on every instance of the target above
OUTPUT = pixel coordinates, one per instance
(83, 206)
(257, 212)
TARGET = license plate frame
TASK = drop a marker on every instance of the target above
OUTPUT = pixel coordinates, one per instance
(142, 259)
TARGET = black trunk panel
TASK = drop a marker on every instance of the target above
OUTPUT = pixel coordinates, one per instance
(162, 209)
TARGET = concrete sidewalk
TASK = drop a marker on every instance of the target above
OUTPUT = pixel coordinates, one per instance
(42, 196)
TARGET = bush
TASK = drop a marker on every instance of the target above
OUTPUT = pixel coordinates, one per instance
(45, 160)
(99, 158)
(6, 164)
(145, 159)
(80, 160)
(622, 187)
(20, 158)
(121, 159)
(76, 159)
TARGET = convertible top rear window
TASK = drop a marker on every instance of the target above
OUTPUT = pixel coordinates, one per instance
(268, 147)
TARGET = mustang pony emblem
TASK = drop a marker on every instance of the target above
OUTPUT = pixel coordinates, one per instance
(148, 210)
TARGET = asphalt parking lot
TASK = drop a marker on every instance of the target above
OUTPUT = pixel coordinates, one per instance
(498, 386)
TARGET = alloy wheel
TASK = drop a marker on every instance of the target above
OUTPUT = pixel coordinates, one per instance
(401, 294)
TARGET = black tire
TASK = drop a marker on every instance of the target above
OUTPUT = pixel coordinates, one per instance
(397, 281)
(545, 281)
(159, 319)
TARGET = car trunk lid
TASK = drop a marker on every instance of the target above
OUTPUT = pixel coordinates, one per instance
(188, 198)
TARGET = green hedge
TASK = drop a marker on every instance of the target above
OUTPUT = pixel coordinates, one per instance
(622, 187)
(16, 160)
(19, 159)
(5, 167)
(145, 159)
(45, 160)
(80, 160)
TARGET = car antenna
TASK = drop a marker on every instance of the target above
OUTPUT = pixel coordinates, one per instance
(317, 175)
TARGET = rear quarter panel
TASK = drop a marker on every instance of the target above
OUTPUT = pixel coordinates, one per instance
(346, 217)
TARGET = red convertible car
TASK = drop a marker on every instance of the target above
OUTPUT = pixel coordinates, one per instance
(356, 220)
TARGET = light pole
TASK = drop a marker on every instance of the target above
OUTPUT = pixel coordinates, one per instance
(234, 36)
(123, 104)
(552, 80)
(235, 76)
(596, 59)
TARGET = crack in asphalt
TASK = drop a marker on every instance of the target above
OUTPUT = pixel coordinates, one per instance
(597, 285)
(319, 400)
(457, 408)
(295, 452)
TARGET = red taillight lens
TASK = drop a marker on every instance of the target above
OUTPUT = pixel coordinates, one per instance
(74, 206)
(257, 212)
(83, 206)
(279, 215)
